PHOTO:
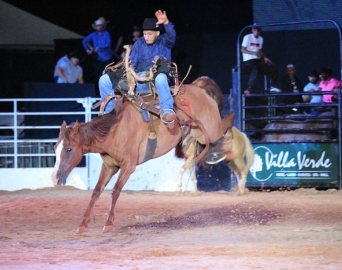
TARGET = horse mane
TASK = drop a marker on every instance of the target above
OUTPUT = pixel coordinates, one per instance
(98, 127)
(212, 89)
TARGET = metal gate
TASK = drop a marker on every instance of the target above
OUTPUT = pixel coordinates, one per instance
(307, 161)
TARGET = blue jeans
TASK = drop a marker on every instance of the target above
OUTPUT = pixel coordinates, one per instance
(162, 85)
(106, 88)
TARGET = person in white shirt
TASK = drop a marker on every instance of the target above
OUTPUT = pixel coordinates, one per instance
(63, 59)
(256, 61)
(70, 72)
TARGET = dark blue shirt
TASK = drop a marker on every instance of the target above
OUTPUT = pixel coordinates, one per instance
(101, 41)
(143, 54)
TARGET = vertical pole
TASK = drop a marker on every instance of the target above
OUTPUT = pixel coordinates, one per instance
(87, 104)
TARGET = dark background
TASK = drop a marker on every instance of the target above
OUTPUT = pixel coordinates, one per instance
(283, 11)
(208, 36)
(190, 16)
(202, 27)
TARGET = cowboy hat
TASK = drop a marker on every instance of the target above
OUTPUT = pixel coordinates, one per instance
(100, 21)
(151, 24)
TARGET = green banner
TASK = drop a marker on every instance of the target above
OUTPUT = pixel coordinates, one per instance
(294, 164)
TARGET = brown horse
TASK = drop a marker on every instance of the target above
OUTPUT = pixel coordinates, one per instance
(124, 140)
(239, 154)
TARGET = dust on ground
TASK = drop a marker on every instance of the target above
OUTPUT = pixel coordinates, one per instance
(300, 229)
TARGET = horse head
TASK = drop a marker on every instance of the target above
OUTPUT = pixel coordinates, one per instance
(68, 150)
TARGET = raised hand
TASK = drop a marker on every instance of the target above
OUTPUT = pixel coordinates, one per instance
(161, 17)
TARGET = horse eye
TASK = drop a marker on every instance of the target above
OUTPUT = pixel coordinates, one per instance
(68, 150)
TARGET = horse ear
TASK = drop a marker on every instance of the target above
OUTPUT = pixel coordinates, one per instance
(63, 127)
(76, 127)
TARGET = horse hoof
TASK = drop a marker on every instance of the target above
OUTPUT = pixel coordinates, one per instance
(243, 192)
(82, 229)
(108, 228)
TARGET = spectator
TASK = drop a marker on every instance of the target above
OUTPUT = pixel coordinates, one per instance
(70, 72)
(312, 86)
(255, 61)
(328, 83)
(290, 83)
(63, 59)
(136, 34)
(99, 44)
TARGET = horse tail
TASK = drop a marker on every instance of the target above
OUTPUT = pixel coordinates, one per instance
(212, 89)
(179, 151)
(249, 152)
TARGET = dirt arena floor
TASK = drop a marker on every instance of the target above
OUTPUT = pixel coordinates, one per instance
(299, 229)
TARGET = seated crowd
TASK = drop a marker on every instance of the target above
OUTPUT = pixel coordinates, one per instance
(317, 82)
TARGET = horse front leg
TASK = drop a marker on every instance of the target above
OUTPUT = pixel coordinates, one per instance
(124, 175)
(104, 178)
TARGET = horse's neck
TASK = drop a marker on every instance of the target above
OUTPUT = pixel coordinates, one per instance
(93, 141)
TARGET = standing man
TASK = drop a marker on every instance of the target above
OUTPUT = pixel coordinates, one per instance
(99, 44)
(256, 61)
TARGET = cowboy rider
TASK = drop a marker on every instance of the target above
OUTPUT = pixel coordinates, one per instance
(144, 50)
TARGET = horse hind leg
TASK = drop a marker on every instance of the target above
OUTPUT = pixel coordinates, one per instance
(189, 163)
(193, 180)
(180, 182)
(242, 190)
(241, 176)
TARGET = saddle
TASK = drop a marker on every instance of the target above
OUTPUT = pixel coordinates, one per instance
(124, 80)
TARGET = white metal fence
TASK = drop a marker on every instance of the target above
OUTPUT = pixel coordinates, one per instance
(26, 161)
(19, 149)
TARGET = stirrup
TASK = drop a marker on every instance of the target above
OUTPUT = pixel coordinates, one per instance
(167, 112)
(215, 157)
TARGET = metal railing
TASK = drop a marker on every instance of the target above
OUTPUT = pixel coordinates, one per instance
(28, 135)
(264, 109)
